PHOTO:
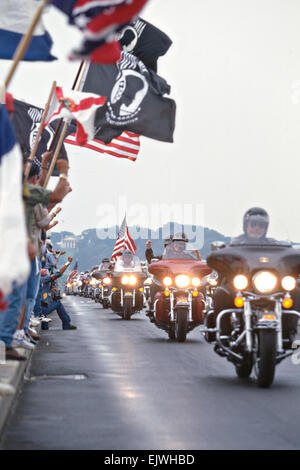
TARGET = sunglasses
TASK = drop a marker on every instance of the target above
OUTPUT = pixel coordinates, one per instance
(257, 224)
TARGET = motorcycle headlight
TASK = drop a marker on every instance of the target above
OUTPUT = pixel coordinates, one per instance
(288, 283)
(132, 280)
(106, 280)
(167, 281)
(182, 280)
(196, 281)
(264, 281)
(69, 285)
(240, 282)
(125, 280)
(212, 281)
(80, 283)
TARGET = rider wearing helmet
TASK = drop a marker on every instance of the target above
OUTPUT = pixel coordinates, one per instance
(177, 247)
(255, 227)
(127, 258)
(105, 264)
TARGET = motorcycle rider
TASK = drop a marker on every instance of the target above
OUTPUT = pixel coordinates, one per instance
(156, 286)
(127, 260)
(177, 247)
(255, 227)
(105, 265)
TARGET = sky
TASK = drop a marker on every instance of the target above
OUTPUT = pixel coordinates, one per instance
(234, 71)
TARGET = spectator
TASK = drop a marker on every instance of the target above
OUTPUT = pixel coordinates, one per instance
(32, 195)
(51, 296)
(149, 252)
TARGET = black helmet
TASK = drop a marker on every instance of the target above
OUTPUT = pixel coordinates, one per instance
(256, 214)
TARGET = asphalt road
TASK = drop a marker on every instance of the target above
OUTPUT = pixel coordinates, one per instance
(117, 385)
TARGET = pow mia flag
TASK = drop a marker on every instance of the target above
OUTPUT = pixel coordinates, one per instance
(26, 121)
(144, 41)
(135, 100)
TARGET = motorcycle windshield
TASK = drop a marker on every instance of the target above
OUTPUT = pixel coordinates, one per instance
(180, 250)
(128, 265)
(247, 258)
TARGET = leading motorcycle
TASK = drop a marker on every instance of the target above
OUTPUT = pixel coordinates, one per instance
(258, 331)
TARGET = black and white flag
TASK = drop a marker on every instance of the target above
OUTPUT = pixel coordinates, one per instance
(26, 121)
(144, 41)
(135, 100)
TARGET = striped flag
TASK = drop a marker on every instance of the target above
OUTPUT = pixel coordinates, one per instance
(126, 145)
(124, 242)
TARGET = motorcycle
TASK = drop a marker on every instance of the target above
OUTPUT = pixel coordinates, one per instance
(260, 326)
(127, 297)
(103, 287)
(178, 306)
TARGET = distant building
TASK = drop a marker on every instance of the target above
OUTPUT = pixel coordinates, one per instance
(68, 243)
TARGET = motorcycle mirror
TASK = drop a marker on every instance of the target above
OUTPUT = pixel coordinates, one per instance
(217, 245)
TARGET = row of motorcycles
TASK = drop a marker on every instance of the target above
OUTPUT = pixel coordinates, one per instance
(178, 291)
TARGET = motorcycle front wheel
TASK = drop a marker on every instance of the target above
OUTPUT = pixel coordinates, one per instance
(127, 308)
(181, 325)
(265, 362)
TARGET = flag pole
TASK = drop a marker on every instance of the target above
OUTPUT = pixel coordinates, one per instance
(64, 130)
(61, 120)
(41, 127)
(24, 43)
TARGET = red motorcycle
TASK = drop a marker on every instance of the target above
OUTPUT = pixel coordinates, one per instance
(178, 303)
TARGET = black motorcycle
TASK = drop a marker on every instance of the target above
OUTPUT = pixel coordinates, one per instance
(258, 331)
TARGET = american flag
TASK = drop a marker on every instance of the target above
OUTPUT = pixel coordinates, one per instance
(126, 145)
(123, 242)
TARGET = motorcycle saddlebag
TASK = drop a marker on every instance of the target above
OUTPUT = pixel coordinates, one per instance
(162, 313)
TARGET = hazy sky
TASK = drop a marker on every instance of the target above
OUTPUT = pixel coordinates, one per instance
(234, 71)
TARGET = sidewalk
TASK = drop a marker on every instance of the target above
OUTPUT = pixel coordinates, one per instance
(11, 380)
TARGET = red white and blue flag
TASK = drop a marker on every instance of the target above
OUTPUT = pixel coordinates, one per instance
(126, 145)
(15, 19)
(99, 20)
(79, 106)
(123, 242)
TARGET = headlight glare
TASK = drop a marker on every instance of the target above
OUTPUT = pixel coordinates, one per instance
(240, 282)
(264, 281)
(196, 281)
(167, 281)
(182, 280)
(132, 280)
(106, 280)
(288, 283)
(125, 280)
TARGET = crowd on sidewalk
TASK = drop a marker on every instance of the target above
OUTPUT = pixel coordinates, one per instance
(30, 301)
